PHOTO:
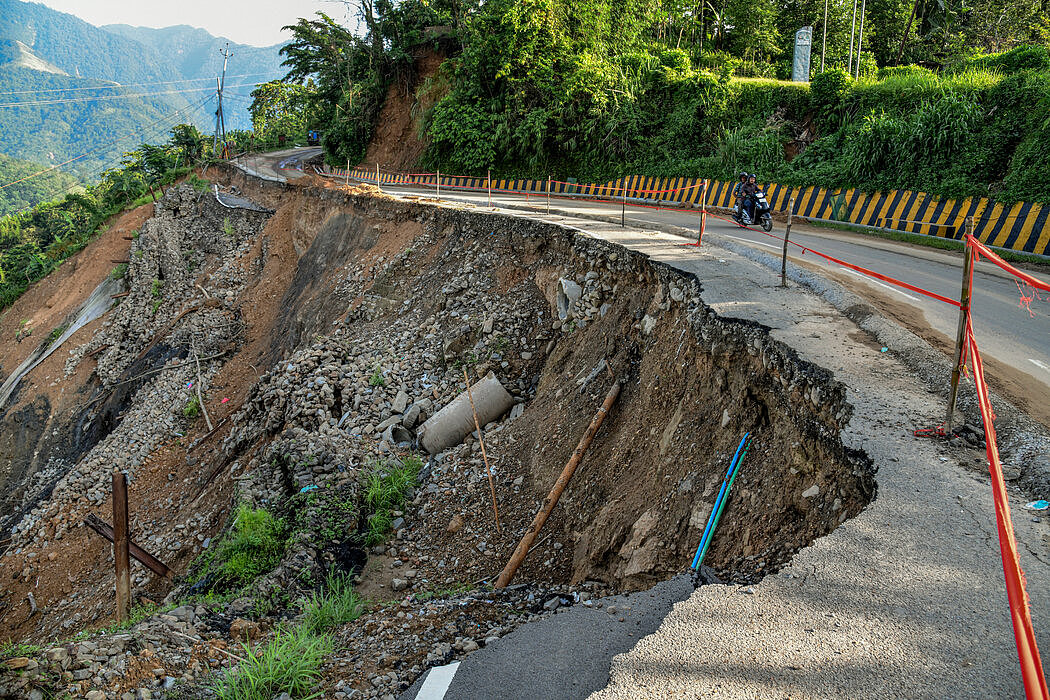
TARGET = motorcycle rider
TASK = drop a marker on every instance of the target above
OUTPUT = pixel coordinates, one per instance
(738, 194)
(748, 191)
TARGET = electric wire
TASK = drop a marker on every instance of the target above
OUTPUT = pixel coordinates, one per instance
(125, 85)
(98, 98)
(165, 119)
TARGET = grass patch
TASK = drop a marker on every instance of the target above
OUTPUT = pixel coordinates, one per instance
(11, 650)
(377, 378)
(192, 408)
(288, 663)
(385, 489)
(136, 615)
(338, 605)
(227, 228)
(119, 272)
(197, 182)
(156, 288)
(253, 546)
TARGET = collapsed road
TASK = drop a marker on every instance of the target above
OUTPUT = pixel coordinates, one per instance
(345, 320)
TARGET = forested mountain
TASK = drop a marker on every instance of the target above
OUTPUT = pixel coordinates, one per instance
(19, 196)
(64, 82)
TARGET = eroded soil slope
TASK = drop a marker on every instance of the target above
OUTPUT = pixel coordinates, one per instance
(321, 338)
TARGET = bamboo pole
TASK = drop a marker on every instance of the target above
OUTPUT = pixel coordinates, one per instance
(347, 173)
(488, 183)
(552, 499)
(787, 235)
(122, 565)
(377, 178)
(548, 195)
(484, 457)
(964, 310)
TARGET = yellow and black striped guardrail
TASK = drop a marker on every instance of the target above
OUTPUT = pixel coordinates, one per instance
(1022, 226)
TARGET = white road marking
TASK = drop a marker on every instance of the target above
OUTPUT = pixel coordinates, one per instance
(745, 240)
(875, 281)
(437, 682)
(1040, 365)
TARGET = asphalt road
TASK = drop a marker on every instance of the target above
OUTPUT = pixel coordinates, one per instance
(1005, 331)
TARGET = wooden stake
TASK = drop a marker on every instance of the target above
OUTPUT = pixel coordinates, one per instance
(484, 457)
(488, 183)
(703, 212)
(964, 311)
(377, 178)
(787, 235)
(548, 195)
(623, 208)
(347, 173)
(552, 499)
(438, 181)
(120, 545)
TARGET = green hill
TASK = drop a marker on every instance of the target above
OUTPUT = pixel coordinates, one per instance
(16, 197)
(71, 80)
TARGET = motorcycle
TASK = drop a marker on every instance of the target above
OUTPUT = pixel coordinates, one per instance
(763, 214)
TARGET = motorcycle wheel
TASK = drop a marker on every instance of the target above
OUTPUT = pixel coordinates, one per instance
(767, 223)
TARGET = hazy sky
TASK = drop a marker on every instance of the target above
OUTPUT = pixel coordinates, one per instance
(255, 22)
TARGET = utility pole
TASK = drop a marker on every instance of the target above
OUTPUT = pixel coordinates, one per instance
(852, 36)
(220, 122)
(860, 38)
(824, 41)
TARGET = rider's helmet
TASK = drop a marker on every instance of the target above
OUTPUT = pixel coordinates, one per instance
(743, 177)
(752, 176)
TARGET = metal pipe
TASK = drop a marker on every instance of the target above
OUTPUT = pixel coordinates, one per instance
(552, 499)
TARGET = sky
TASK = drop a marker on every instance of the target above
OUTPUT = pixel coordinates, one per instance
(254, 22)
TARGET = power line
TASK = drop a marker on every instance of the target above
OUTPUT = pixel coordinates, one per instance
(165, 118)
(99, 169)
(97, 98)
(125, 85)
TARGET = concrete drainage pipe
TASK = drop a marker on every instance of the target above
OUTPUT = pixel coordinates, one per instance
(455, 421)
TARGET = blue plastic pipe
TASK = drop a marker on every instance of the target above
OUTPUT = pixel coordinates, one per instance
(722, 505)
(718, 501)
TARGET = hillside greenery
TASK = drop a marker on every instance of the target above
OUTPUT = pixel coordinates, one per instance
(599, 88)
(32, 190)
(35, 242)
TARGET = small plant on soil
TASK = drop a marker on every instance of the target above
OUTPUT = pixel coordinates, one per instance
(119, 272)
(197, 182)
(192, 408)
(227, 228)
(288, 663)
(156, 305)
(138, 253)
(157, 288)
(377, 378)
(385, 489)
(253, 546)
(55, 334)
(24, 330)
(338, 605)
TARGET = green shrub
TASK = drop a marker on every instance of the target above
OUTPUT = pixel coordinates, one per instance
(156, 288)
(289, 663)
(253, 546)
(119, 272)
(828, 90)
(192, 408)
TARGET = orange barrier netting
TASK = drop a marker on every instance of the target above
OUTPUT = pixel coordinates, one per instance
(1021, 616)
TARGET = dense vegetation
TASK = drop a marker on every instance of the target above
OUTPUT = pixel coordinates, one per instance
(35, 242)
(597, 88)
(31, 190)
